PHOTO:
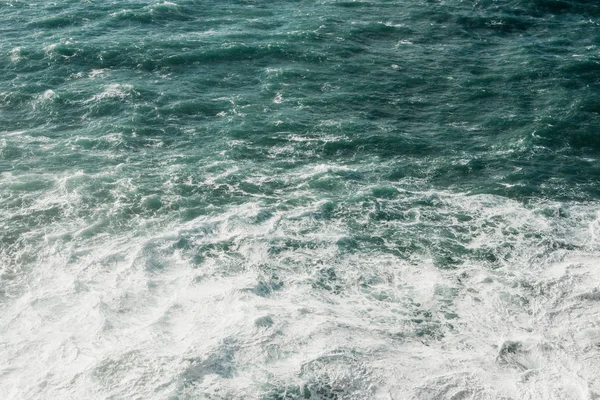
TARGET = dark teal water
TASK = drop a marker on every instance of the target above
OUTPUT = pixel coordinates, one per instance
(300, 199)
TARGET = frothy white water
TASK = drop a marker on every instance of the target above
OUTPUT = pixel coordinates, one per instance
(260, 302)
(113, 91)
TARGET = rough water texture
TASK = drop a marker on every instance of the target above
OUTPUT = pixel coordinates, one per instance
(388, 199)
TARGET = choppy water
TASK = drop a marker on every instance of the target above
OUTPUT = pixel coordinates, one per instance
(300, 199)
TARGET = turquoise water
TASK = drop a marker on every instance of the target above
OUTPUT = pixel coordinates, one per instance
(300, 199)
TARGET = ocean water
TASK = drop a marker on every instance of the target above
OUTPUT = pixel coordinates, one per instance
(310, 199)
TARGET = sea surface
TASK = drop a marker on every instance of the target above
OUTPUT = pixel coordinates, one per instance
(311, 199)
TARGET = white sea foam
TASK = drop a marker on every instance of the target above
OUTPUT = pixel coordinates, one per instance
(15, 54)
(128, 315)
(96, 72)
(44, 98)
(115, 90)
